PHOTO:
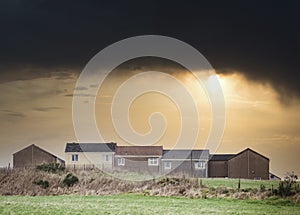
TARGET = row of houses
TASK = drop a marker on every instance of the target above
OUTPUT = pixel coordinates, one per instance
(247, 164)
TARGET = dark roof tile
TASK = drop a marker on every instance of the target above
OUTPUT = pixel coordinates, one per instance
(185, 154)
(221, 157)
(139, 150)
(90, 147)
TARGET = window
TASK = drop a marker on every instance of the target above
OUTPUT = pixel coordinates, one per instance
(75, 157)
(200, 165)
(168, 165)
(152, 161)
(107, 158)
(121, 161)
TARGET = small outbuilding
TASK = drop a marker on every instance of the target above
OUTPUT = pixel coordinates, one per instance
(218, 165)
(34, 155)
(249, 164)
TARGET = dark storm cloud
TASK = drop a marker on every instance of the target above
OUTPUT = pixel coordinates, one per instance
(261, 40)
(46, 109)
(13, 113)
(16, 71)
(80, 88)
(80, 95)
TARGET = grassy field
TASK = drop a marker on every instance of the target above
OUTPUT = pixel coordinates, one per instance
(233, 183)
(139, 204)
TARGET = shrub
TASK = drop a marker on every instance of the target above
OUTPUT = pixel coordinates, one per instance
(262, 188)
(70, 180)
(284, 189)
(171, 181)
(275, 192)
(247, 190)
(42, 183)
(288, 187)
(50, 167)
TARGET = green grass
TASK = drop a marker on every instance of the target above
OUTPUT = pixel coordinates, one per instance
(139, 204)
(233, 183)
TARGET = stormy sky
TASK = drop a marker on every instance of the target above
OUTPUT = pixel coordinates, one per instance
(253, 46)
(258, 39)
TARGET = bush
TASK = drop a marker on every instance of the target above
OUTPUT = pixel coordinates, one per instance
(50, 167)
(42, 183)
(172, 181)
(285, 189)
(262, 188)
(275, 192)
(247, 190)
(288, 187)
(70, 180)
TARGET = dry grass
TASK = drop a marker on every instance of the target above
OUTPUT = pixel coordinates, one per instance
(95, 182)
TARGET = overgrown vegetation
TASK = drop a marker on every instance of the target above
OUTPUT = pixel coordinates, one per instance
(70, 180)
(262, 188)
(95, 182)
(50, 167)
(289, 186)
(43, 183)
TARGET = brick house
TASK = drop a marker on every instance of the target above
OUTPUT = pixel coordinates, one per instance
(34, 155)
(144, 159)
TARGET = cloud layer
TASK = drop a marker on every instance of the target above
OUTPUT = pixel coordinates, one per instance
(260, 40)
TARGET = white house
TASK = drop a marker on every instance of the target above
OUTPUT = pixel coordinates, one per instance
(88, 155)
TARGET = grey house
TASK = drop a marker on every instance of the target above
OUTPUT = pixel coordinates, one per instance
(192, 163)
(143, 159)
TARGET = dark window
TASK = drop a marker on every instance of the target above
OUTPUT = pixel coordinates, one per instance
(75, 157)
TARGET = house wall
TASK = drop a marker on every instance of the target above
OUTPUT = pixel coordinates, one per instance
(249, 165)
(90, 160)
(32, 156)
(217, 169)
(186, 167)
(137, 164)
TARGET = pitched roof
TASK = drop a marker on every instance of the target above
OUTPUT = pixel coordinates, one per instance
(39, 148)
(139, 150)
(185, 154)
(221, 157)
(226, 157)
(248, 149)
(90, 147)
(273, 176)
